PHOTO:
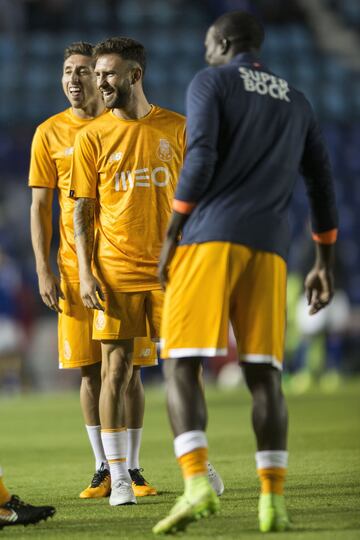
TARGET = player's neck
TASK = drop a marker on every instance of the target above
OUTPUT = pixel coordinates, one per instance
(137, 108)
(91, 111)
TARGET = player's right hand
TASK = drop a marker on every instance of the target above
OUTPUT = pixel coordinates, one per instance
(90, 291)
(50, 291)
(319, 288)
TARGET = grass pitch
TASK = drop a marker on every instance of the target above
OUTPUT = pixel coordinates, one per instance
(46, 458)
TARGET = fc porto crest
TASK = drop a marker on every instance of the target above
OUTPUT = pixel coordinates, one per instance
(164, 151)
(100, 321)
(67, 350)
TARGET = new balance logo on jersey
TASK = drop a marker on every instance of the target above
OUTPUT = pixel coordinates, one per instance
(142, 178)
(116, 156)
(264, 84)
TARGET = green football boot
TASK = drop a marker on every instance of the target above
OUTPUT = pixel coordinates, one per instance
(272, 513)
(199, 502)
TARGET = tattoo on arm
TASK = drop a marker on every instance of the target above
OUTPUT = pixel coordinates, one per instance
(84, 227)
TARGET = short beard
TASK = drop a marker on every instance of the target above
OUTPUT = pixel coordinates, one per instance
(121, 98)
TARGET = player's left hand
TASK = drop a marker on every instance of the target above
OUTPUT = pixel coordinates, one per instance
(91, 292)
(166, 256)
(319, 288)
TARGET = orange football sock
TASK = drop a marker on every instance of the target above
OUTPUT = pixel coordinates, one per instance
(194, 463)
(272, 480)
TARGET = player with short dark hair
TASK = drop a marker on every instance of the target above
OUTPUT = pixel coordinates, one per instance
(129, 49)
(50, 166)
(130, 164)
(82, 48)
(249, 134)
(127, 163)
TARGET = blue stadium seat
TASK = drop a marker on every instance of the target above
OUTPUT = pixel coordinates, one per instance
(347, 219)
(276, 40)
(299, 39)
(43, 45)
(303, 74)
(11, 49)
(95, 13)
(163, 43)
(351, 11)
(333, 101)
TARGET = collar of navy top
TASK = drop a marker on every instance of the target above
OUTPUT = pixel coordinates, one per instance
(246, 58)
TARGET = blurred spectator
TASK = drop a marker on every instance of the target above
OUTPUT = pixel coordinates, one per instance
(276, 11)
(49, 15)
(315, 343)
(12, 337)
(12, 20)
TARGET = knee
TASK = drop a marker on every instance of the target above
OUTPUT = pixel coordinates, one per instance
(117, 373)
(181, 368)
(135, 381)
(262, 380)
(91, 376)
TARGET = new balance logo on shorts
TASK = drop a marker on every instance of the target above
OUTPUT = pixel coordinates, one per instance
(264, 84)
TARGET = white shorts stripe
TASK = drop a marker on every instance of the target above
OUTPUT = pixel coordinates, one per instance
(261, 359)
(188, 352)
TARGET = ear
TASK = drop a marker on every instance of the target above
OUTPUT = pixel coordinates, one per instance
(225, 45)
(136, 75)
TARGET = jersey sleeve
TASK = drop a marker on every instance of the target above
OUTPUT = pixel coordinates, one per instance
(203, 120)
(43, 172)
(83, 177)
(316, 170)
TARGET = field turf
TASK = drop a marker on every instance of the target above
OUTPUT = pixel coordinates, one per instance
(44, 451)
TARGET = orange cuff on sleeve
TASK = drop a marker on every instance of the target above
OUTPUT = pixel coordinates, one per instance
(183, 207)
(328, 237)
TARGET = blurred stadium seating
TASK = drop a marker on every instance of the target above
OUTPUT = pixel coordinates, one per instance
(34, 34)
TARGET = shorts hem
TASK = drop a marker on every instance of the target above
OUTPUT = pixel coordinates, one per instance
(261, 359)
(115, 336)
(72, 281)
(139, 364)
(195, 351)
(76, 365)
(133, 290)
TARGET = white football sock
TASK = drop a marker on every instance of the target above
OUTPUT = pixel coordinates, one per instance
(115, 447)
(189, 441)
(134, 443)
(94, 434)
(267, 459)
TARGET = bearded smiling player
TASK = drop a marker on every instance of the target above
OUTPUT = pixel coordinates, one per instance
(51, 158)
(128, 163)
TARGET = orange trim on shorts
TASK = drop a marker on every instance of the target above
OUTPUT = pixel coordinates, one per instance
(115, 430)
(327, 237)
(183, 207)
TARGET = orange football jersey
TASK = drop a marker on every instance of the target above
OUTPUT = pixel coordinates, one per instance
(50, 166)
(132, 168)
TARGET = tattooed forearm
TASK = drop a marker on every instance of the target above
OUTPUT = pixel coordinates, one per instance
(84, 230)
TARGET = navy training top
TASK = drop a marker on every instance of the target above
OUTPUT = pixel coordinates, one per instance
(249, 135)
